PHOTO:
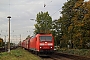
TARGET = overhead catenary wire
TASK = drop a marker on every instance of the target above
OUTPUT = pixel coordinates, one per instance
(55, 12)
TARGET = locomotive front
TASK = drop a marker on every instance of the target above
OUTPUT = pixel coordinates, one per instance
(45, 43)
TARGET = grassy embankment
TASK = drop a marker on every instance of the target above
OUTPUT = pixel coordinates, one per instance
(79, 52)
(18, 54)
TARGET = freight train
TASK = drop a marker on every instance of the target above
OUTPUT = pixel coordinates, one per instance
(39, 44)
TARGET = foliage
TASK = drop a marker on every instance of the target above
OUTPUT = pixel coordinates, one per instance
(66, 20)
(56, 31)
(75, 23)
(44, 23)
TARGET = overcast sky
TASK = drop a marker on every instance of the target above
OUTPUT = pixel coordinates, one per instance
(21, 11)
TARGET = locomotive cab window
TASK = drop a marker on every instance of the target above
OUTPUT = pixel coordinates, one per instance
(45, 38)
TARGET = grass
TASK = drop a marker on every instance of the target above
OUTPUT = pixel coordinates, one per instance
(80, 52)
(18, 54)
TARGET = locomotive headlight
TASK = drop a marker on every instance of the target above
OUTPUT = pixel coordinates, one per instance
(51, 47)
(40, 47)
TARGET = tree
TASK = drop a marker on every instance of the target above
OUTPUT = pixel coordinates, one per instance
(75, 23)
(44, 23)
(56, 31)
(81, 27)
(66, 20)
(86, 24)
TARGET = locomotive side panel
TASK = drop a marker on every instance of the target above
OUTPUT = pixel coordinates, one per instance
(33, 44)
(37, 43)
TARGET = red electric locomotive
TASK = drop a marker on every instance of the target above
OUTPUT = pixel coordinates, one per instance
(42, 43)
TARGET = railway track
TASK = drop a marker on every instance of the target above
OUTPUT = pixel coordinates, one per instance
(73, 57)
(61, 56)
(54, 57)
